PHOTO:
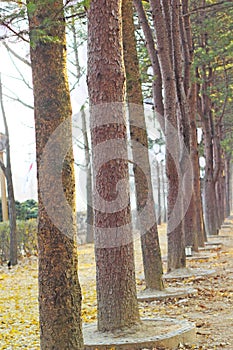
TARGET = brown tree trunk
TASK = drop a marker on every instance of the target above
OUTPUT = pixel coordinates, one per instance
(210, 209)
(204, 74)
(150, 44)
(151, 253)
(164, 193)
(90, 211)
(13, 259)
(218, 175)
(201, 236)
(190, 228)
(190, 91)
(176, 251)
(159, 192)
(90, 214)
(10, 190)
(227, 182)
(59, 289)
(115, 272)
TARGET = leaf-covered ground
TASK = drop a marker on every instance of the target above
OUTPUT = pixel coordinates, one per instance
(211, 309)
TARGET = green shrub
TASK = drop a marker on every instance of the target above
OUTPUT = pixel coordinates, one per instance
(26, 238)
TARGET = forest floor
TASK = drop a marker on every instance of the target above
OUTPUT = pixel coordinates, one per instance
(211, 309)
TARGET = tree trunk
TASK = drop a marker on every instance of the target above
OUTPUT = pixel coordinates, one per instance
(12, 211)
(190, 229)
(150, 44)
(227, 182)
(159, 192)
(115, 272)
(164, 193)
(201, 235)
(210, 208)
(90, 212)
(59, 289)
(176, 251)
(190, 91)
(151, 253)
(10, 190)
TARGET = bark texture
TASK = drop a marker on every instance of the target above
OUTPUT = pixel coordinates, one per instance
(115, 271)
(151, 253)
(161, 20)
(150, 44)
(59, 289)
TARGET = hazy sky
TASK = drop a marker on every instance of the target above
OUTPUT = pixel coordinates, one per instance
(21, 120)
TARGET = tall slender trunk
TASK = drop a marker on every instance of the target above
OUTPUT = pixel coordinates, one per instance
(151, 253)
(164, 193)
(150, 44)
(89, 192)
(201, 236)
(10, 189)
(159, 192)
(59, 289)
(115, 272)
(90, 214)
(227, 188)
(210, 201)
(176, 251)
(190, 229)
(190, 91)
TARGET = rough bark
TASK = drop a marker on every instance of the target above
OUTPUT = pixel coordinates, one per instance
(151, 253)
(190, 91)
(176, 251)
(150, 44)
(184, 112)
(115, 271)
(204, 74)
(59, 289)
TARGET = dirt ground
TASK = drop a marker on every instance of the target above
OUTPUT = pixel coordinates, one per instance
(211, 309)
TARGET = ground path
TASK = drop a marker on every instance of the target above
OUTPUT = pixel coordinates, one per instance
(211, 309)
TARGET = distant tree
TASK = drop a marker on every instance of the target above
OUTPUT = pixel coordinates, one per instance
(162, 15)
(213, 68)
(10, 187)
(151, 253)
(26, 210)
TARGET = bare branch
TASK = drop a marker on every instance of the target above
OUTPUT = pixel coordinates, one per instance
(17, 99)
(16, 55)
(21, 75)
(14, 32)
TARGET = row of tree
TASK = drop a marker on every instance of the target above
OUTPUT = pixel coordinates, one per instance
(191, 83)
